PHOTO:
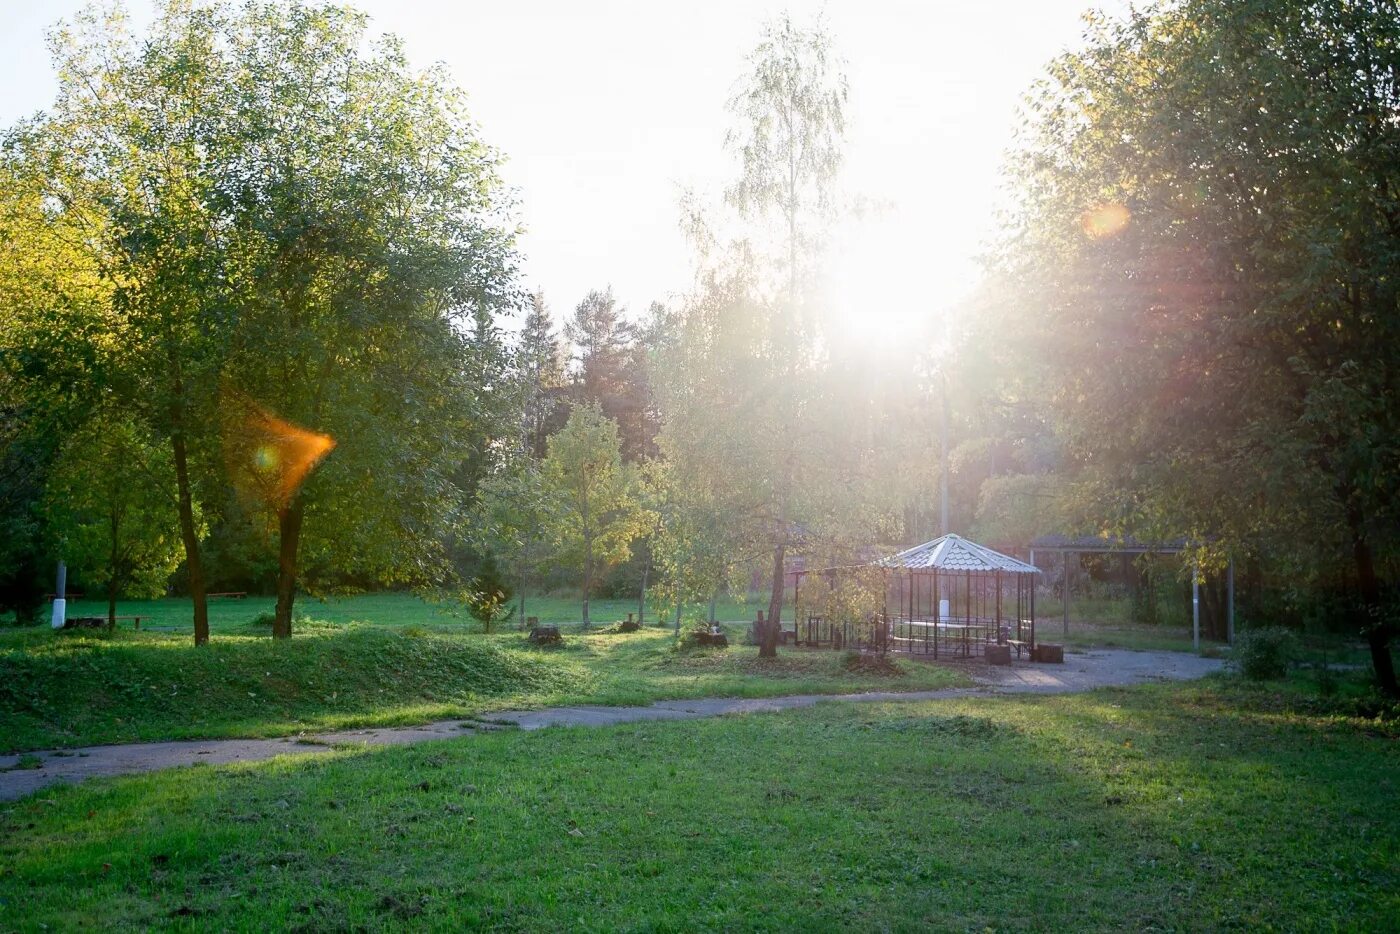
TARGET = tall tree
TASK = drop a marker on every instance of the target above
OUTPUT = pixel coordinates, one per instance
(126, 154)
(540, 364)
(597, 513)
(372, 246)
(515, 520)
(54, 299)
(602, 337)
(746, 401)
(1207, 234)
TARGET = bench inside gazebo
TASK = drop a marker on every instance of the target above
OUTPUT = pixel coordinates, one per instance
(946, 598)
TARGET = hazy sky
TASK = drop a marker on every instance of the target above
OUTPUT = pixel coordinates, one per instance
(606, 109)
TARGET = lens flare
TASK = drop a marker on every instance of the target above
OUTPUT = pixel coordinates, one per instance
(1104, 220)
(268, 458)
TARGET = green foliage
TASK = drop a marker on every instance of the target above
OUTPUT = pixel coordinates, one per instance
(490, 594)
(597, 514)
(1264, 654)
(109, 504)
(256, 211)
(1201, 278)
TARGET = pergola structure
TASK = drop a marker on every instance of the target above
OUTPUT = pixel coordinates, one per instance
(1071, 547)
(946, 597)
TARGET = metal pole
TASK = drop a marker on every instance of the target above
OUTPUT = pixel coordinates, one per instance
(1230, 602)
(943, 452)
(1196, 607)
(1065, 595)
(796, 614)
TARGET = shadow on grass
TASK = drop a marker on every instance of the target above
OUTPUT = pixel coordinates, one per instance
(1088, 812)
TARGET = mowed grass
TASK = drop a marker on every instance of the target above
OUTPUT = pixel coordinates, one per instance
(83, 687)
(1168, 807)
(388, 609)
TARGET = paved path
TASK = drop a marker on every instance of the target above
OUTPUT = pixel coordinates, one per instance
(1081, 672)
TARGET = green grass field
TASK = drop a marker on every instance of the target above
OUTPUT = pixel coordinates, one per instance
(81, 687)
(389, 609)
(1210, 805)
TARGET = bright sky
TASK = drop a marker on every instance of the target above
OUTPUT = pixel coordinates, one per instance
(607, 108)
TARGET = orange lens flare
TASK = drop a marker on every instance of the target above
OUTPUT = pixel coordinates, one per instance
(1104, 220)
(268, 457)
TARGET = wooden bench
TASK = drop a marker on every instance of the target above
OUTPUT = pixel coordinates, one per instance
(238, 595)
(97, 622)
(1019, 644)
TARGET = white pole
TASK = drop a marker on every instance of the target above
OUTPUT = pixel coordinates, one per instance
(1196, 608)
(60, 601)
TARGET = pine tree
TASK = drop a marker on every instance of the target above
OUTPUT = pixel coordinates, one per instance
(540, 365)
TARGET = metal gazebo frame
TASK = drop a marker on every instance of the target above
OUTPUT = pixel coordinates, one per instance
(951, 597)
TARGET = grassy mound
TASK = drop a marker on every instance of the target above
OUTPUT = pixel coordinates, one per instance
(83, 687)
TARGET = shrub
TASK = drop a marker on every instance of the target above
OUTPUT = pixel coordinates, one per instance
(1263, 654)
(489, 597)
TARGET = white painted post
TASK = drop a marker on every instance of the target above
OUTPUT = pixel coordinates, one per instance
(60, 598)
(1230, 611)
(1196, 607)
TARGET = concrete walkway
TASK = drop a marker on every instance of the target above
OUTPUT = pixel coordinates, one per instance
(1081, 672)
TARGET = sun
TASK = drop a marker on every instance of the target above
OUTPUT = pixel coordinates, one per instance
(887, 281)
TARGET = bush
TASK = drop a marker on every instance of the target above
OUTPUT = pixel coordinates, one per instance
(1264, 654)
(489, 595)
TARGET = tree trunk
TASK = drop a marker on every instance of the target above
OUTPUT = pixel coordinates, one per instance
(289, 537)
(114, 556)
(587, 560)
(190, 537)
(522, 593)
(1375, 627)
(768, 639)
(642, 598)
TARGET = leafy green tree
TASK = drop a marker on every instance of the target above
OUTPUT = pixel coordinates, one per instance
(515, 520)
(1202, 268)
(372, 249)
(750, 419)
(597, 514)
(108, 501)
(125, 157)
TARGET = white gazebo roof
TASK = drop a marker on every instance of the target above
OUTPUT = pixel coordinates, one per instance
(955, 553)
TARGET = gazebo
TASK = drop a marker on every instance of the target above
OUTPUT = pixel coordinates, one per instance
(947, 597)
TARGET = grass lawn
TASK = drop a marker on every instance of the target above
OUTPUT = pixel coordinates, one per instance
(388, 609)
(1199, 806)
(81, 687)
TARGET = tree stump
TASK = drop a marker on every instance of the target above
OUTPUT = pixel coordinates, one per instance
(545, 635)
(629, 625)
(998, 654)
